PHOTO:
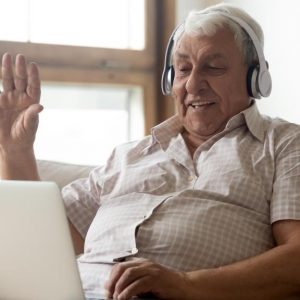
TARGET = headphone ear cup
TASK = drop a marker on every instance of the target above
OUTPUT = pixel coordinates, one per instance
(252, 82)
(172, 71)
(169, 79)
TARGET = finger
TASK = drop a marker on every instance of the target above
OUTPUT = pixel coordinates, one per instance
(114, 276)
(131, 275)
(7, 73)
(141, 286)
(34, 82)
(31, 118)
(21, 73)
(116, 273)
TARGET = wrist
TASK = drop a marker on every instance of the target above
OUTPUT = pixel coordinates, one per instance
(18, 164)
(198, 285)
(19, 153)
(188, 289)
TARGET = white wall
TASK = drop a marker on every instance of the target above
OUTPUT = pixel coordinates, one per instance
(184, 6)
(280, 21)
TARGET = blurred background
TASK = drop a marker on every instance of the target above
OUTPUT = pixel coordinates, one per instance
(101, 61)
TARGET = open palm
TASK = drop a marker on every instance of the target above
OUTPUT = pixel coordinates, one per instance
(19, 103)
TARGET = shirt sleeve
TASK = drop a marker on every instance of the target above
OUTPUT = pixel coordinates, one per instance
(82, 200)
(285, 202)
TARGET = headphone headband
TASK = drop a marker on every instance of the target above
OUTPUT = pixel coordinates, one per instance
(259, 82)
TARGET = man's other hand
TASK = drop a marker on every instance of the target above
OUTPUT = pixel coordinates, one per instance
(142, 276)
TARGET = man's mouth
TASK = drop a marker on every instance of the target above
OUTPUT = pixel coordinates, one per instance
(199, 104)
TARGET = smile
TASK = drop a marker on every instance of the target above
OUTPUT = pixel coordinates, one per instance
(199, 104)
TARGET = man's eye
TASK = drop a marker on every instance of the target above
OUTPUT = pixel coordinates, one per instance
(183, 70)
(215, 67)
(217, 70)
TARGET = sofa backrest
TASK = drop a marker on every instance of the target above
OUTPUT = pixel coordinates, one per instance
(62, 173)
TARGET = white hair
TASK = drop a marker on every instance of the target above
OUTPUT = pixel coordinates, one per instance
(209, 20)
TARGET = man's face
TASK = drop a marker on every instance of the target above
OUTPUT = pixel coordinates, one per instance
(210, 82)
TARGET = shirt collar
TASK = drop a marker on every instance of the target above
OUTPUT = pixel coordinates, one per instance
(251, 117)
(255, 121)
(165, 131)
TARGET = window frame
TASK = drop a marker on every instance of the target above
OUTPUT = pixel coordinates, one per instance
(76, 64)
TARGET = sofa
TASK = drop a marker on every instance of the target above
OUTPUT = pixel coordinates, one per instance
(60, 172)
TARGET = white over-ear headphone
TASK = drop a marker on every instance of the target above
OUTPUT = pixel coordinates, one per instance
(259, 82)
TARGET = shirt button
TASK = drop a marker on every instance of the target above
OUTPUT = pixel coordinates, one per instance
(134, 250)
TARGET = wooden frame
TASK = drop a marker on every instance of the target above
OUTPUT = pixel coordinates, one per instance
(100, 65)
(166, 24)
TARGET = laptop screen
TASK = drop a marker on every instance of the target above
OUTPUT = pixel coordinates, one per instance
(37, 257)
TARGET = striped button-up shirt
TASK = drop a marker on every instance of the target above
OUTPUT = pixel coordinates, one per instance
(153, 200)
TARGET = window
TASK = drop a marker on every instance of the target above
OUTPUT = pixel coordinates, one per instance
(93, 127)
(94, 23)
(97, 64)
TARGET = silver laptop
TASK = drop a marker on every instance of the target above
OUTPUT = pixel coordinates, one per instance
(37, 260)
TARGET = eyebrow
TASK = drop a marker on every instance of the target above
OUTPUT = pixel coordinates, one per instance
(209, 56)
(180, 55)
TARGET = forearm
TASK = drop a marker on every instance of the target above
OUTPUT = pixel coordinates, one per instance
(18, 165)
(272, 275)
(78, 241)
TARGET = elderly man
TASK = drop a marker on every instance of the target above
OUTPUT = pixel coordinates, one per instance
(207, 207)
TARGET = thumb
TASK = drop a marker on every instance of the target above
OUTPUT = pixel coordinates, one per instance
(31, 117)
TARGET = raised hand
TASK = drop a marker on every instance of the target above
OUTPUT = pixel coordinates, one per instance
(19, 110)
(19, 104)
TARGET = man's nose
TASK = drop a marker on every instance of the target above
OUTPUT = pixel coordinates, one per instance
(196, 83)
